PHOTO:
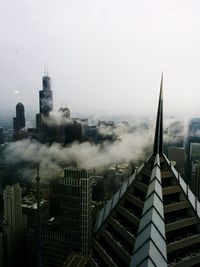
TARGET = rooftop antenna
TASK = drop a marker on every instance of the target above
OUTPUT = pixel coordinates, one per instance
(46, 69)
(38, 227)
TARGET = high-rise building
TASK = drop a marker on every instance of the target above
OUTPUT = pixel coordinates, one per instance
(195, 178)
(14, 224)
(194, 151)
(1, 136)
(76, 208)
(46, 96)
(45, 107)
(1, 248)
(40, 128)
(177, 154)
(73, 132)
(53, 244)
(19, 122)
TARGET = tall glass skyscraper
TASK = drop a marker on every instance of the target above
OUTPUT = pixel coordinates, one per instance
(76, 208)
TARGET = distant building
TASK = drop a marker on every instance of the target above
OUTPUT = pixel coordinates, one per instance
(65, 112)
(91, 133)
(177, 154)
(40, 128)
(19, 123)
(73, 132)
(195, 178)
(14, 224)
(46, 96)
(45, 107)
(1, 136)
(31, 133)
(194, 151)
(76, 209)
(194, 127)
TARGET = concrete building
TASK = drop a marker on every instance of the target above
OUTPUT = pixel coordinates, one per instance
(76, 208)
(14, 224)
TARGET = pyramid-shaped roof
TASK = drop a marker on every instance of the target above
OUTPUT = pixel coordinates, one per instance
(153, 220)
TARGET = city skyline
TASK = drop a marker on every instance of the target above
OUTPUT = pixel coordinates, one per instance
(103, 57)
(145, 215)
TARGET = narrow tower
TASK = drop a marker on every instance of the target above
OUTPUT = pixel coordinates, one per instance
(13, 218)
(19, 122)
(46, 96)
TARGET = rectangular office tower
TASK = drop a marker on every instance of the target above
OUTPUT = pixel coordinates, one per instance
(14, 224)
(46, 96)
(76, 208)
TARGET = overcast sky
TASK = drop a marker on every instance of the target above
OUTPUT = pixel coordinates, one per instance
(103, 55)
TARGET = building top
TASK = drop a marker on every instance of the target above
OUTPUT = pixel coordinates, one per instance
(30, 202)
(19, 105)
(76, 173)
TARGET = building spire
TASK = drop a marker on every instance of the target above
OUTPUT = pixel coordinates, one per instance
(158, 141)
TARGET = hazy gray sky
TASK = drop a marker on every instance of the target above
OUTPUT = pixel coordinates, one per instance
(103, 55)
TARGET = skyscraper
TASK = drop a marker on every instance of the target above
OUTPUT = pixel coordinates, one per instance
(45, 107)
(195, 178)
(194, 151)
(19, 122)
(14, 224)
(177, 154)
(76, 208)
(46, 96)
(1, 136)
(1, 248)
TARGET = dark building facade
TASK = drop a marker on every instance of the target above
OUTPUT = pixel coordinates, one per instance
(19, 122)
(45, 107)
(73, 132)
(1, 136)
(46, 96)
(76, 209)
(53, 245)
